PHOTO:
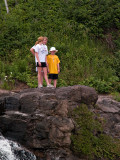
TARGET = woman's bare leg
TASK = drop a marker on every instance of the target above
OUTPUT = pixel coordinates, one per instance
(45, 75)
(39, 76)
(42, 75)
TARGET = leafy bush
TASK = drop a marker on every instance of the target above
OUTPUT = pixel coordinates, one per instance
(88, 139)
(116, 96)
(100, 85)
(76, 28)
(98, 16)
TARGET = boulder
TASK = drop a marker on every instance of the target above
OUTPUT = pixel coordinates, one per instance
(39, 118)
(109, 110)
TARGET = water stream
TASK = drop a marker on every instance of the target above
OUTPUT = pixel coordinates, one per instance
(10, 150)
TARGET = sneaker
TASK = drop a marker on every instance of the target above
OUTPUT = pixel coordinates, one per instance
(40, 86)
(50, 85)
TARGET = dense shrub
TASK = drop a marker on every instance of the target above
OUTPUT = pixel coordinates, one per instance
(72, 27)
(88, 139)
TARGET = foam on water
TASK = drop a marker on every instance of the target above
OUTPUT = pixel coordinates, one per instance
(5, 150)
(10, 150)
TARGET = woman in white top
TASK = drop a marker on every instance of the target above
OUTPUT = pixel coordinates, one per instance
(40, 54)
(32, 50)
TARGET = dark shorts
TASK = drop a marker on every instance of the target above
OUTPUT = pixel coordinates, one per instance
(53, 76)
(43, 64)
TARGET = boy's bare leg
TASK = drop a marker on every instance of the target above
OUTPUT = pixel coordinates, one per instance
(49, 81)
(55, 82)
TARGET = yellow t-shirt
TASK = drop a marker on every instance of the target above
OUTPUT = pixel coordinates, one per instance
(53, 61)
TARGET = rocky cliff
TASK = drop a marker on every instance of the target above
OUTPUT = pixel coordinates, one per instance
(39, 118)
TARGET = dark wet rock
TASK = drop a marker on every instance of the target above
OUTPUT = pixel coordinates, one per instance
(39, 119)
(2, 106)
(109, 110)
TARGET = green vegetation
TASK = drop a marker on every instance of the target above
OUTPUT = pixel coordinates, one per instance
(85, 32)
(88, 139)
(87, 36)
(116, 96)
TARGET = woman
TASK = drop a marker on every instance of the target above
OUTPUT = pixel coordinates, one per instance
(32, 50)
(40, 54)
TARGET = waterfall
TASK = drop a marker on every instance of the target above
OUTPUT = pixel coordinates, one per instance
(10, 150)
(5, 150)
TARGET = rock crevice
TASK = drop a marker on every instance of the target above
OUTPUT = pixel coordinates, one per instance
(39, 118)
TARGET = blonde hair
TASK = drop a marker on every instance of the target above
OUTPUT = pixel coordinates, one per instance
(40, 39)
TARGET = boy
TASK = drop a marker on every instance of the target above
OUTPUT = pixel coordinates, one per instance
(53, 66)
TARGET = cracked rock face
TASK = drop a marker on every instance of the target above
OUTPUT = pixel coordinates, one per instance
(109, 109)
(39, 118)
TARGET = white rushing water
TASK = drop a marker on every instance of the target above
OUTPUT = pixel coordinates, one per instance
(5, 150)
(10, 150)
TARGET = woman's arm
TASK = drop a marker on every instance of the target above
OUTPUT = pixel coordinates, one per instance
(32, 51)
(36, 54)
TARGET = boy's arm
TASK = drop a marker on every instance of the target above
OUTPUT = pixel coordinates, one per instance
(58, 66)
(48, 68)
(46, 60)
(32, 51)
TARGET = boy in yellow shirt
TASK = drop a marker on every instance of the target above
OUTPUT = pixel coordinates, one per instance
(53, 66)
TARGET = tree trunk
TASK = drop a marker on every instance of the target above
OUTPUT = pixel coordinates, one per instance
(6, 5)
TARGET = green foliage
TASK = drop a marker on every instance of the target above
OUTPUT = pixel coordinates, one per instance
(72, 27)
(101, 85)
(116, 96)
(15, 67)
(7, 82)
(88, 139)
(117, 63)
(98, 16)
(88, 63)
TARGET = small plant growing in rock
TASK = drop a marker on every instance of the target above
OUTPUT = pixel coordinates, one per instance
(7, 81)
(116, 96)
(89, 140)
